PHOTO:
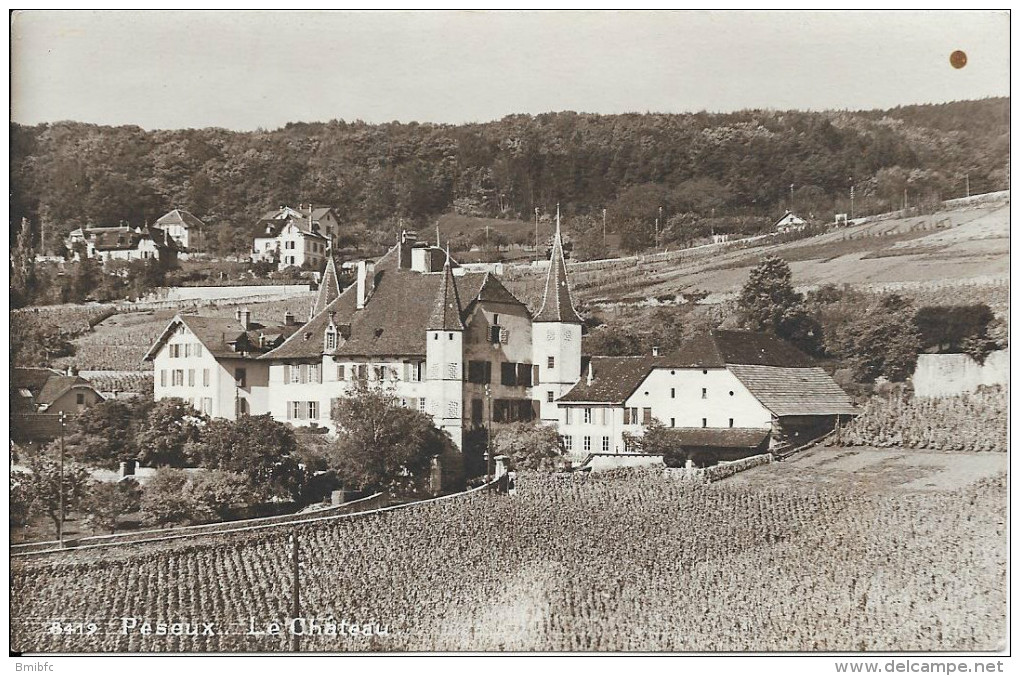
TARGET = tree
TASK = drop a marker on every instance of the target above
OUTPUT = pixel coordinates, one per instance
(109, 431)
(883, 342)
(257, 447)
(23, 267)
(949, 328)
(211, 495)
(44, 487)
(768, 303)
(20, 498)
(163, 439)
(658, 439)
(381, 444)
(108, 501)
(529, 446)
(164, 500)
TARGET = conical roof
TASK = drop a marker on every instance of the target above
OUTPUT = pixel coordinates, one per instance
(557, 305)
(446, 309)
(329, 287)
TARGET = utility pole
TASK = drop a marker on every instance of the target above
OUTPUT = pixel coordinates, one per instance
(603, 226)
(536, 231)
(488, 435)
(968, 185)
(851, 198)
(295, 610)
(60, 520)
(904, 199)
(657, 221)
(791, 197)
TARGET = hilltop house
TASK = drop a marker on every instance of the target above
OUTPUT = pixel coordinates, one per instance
(184, 228)
(790, 221)
(730, 393)
(124, 243)
(43, 390)
(294, 239)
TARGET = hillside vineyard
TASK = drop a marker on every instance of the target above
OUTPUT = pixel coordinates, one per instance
(588, 564)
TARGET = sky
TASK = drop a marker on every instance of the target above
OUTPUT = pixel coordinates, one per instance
(246, 70)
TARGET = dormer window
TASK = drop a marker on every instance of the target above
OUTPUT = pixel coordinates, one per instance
(331, 338)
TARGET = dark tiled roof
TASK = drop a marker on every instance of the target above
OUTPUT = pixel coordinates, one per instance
(218, 334)
(445, 315)
(275, 226)
(329, 288)
(56, 386)
(731, 437)
(124, 238)
(720, 347)
(31, 379)
(395, 317)
(794, 391)
(180, 216)
(556, 303)
(614, 379)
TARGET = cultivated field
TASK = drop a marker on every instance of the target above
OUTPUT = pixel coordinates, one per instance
(833, 550)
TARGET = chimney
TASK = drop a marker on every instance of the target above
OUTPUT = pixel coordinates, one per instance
(408, 238)
(655, 350)
(591, 373)
(362, 284)
(288, 318)
(244, 316)
(332, 317)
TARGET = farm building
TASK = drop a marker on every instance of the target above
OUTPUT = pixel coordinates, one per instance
(184, 228)
(42, 390)
(730, 393)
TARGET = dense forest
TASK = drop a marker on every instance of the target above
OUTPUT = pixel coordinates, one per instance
(733, 168)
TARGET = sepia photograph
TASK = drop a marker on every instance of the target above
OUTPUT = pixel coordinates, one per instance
(482, 333)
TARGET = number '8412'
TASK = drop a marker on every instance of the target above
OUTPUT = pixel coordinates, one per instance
(69, 628)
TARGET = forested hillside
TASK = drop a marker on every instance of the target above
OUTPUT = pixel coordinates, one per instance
(743, 166)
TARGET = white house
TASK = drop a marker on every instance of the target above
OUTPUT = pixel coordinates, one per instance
(289, 242)
(184, 228)
(124, 243)
(731, 393)
(212, 362)
(789, 221)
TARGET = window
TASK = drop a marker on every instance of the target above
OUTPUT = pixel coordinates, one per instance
(417, 368)
(731, 393)
(568, 443)
(646, 416)
(362, 371)
(241, 377)
(605, 444)
(162, 378)
(293, 373)
(704, 393)
(494, 335)
(704, 422)
(480, 372)
(452, 371)
(587, 444)
(187, 350)
(341, 372)
(205, 377)
(731, 422)
(477, 411)
(178, 377)
(549, 396)
(315, 373)
(551, 363)
(80, 398)
(672, 393)
(524, 375)
(421, 404)
(568, 416)
(294, 410)
(495, 319)
(508, 373)
(330, 340)
(304, 373)
(313, 410)
(587, 416)
(452, 409)
(198, 349)
(630, 416)
(672, 422)
(191, 377)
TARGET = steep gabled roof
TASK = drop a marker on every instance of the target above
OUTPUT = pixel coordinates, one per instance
(329, 287)
(31, 378)
(557, 305)
(446, 309)
(219, 335)
(58, 385)
(720, 348)
(180, 217)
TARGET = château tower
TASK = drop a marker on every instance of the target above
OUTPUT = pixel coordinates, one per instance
(444, 355)
(556, 336)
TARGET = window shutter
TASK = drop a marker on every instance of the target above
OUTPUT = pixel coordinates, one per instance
(504, 335)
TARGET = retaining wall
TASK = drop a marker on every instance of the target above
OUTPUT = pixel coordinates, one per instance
(945, 375)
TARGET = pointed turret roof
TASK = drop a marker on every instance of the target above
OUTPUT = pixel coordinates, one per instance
(446, 309)
(556, 303)
(329, 287)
